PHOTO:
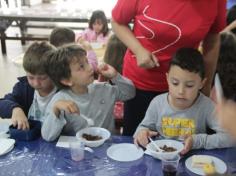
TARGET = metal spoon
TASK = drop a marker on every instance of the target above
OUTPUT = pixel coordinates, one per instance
(155, 145)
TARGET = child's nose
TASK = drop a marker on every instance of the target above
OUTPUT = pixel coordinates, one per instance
(181, 89)
(36, 82)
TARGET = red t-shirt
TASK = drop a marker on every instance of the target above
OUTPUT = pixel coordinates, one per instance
(163, 27)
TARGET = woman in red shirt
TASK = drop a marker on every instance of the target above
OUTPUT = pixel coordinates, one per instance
(159, 29)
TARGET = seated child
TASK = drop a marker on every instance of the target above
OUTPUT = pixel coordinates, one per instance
(62, 35)
(231, 20)
(115, 52)
(226, 65)
(113, 56)
(32, 92)
(69, 69)
(226, 111)
(98, 30)
(184, 112)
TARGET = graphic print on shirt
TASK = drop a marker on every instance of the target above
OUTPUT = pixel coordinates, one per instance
(153, 35)
(177, 127)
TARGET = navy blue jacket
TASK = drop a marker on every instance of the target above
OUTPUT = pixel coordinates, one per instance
(21, 96)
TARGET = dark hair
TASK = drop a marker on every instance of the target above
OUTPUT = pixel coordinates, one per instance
(115, 52)
(226, 66)
(34, 57)
(231, 16)
(99, 15)
(61, 36)
(58, 63)
(189, 59)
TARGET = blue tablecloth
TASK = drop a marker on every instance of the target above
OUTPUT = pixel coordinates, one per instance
(43, 158)
(230, 3)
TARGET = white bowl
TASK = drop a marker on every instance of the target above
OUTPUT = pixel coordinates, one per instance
(95, 131)
(96, 45)
(165, 155)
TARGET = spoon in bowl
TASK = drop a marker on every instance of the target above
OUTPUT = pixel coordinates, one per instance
(155, 145)
(89, 121)
(89, 149)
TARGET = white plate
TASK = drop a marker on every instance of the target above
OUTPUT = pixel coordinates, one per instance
(4, 135)
(219, 165)
(4, 128)
(6, 145)
(124, 152)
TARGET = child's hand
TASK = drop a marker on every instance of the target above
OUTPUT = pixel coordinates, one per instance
(106, 71)
(188, 144)
(66, 105)
(85, 44)
(80, 39)
(19, 119)
(142, 137)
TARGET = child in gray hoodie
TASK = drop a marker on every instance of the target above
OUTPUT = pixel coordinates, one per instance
(80, 98)
(184, 112)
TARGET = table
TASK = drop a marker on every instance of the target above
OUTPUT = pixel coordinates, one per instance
(42, 158)
(42, 13)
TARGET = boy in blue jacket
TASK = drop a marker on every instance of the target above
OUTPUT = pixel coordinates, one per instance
(32, 92)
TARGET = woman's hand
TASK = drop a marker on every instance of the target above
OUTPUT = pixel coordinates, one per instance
(146, 59)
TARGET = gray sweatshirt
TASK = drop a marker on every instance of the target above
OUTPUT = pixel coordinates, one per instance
(172, 123)
(97, 105)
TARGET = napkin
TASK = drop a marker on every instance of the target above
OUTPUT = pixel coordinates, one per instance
(64, 141)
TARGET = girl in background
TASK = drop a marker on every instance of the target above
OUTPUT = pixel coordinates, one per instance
(114, 53)
(98, 28)
(113, 56)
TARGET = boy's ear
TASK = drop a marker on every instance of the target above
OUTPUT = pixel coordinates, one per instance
(203, 83)
(66, 82)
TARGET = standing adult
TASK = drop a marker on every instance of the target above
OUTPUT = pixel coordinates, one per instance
(161, 27)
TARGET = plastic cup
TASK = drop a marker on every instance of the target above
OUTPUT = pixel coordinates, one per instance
(77, 150)
(170, 166)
